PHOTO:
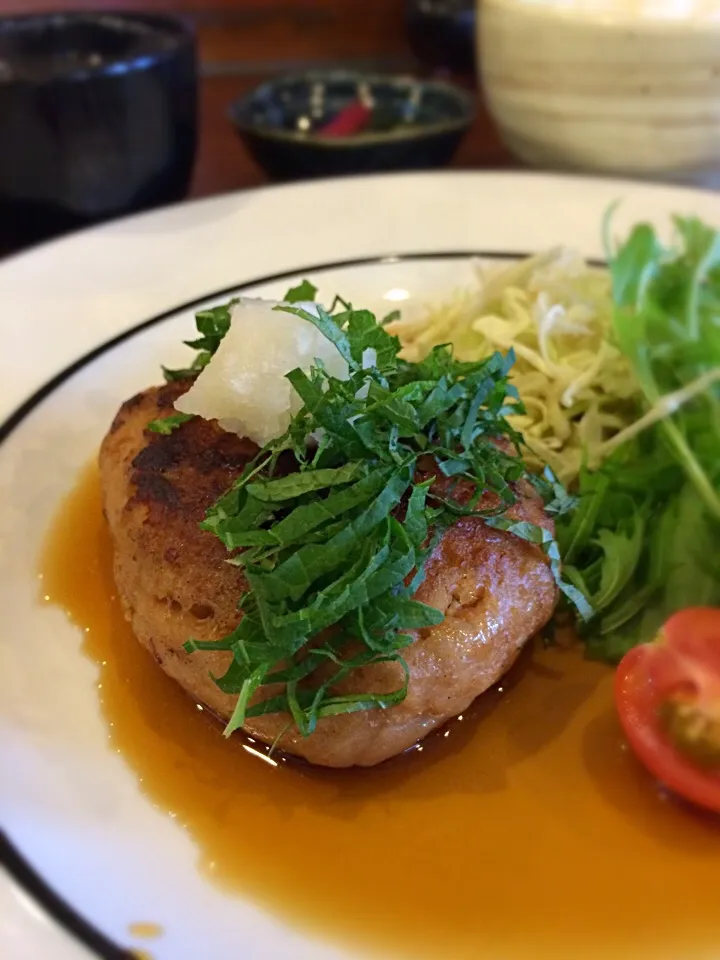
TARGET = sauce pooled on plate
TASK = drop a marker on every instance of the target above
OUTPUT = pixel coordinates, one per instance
(526, 829)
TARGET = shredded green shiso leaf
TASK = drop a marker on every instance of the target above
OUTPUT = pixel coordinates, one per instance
(643, 542)
(334, 551)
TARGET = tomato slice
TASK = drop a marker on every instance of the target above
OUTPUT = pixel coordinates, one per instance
(668, 698)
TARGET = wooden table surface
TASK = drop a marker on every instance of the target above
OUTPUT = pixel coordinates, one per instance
(243, 42)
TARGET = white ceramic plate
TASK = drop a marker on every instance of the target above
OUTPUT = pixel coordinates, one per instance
(78, 336)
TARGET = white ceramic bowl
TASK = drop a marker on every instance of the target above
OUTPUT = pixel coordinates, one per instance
(616, 86)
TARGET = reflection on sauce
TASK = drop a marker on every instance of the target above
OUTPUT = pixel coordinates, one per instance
(525, 830)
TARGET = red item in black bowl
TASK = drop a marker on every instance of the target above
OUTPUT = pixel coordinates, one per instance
(352, 119)
(314, 124)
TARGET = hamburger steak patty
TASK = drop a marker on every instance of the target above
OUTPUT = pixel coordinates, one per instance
(495, 590)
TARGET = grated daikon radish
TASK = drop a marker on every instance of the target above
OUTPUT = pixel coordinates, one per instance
(244, 386)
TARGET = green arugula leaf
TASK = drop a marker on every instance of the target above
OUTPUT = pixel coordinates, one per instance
(622, 552)
(642, 542)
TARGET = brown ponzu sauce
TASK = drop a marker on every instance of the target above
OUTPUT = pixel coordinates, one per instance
(525, 830)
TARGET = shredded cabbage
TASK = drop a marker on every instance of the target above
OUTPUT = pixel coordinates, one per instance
(555, 311)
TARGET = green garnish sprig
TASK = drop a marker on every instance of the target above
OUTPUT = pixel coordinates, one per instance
(168, 425)
(212, 325)
(334, 551)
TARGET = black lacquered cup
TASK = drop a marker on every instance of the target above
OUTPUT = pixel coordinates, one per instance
(98, 118)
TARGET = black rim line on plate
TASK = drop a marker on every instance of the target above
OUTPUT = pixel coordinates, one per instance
(18, 415)
(11, 858)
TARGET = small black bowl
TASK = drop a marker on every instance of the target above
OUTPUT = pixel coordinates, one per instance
(98, 117)
(411, 124)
